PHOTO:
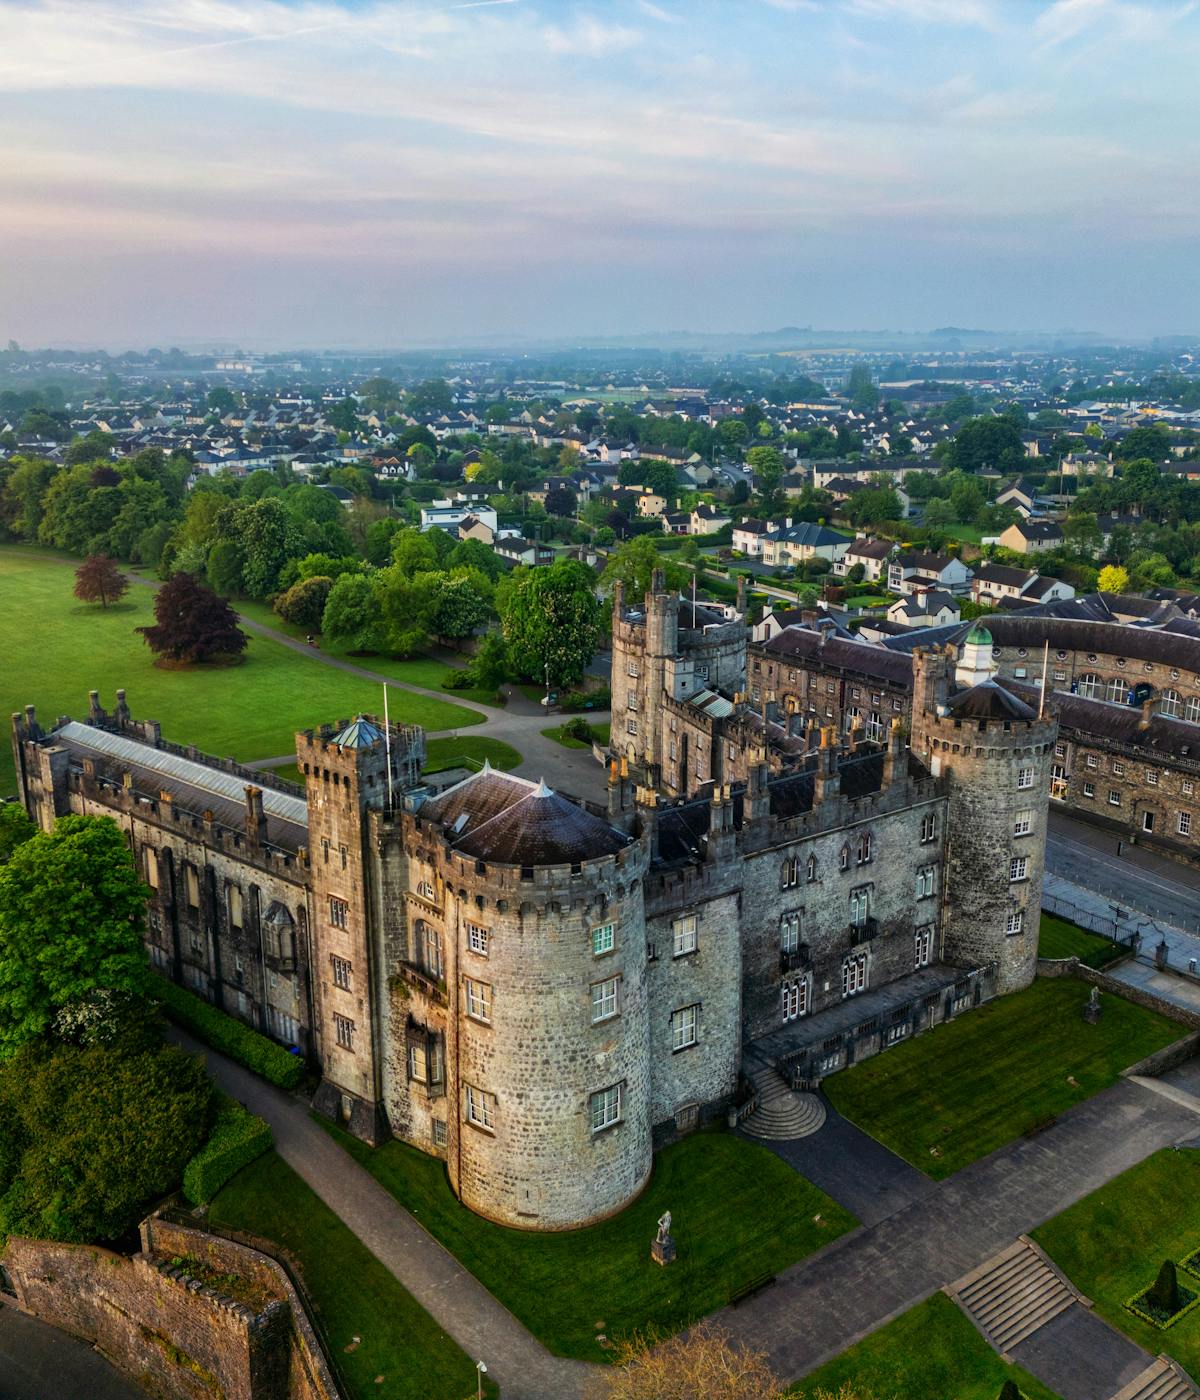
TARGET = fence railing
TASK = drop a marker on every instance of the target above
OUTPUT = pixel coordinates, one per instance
(1136, 931)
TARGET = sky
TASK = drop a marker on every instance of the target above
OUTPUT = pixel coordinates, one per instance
(405, 172)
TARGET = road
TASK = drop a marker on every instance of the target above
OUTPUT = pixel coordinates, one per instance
(1137, 879)
(38, 1362)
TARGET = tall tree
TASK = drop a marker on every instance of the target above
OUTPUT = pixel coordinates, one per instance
(98, 580)
(633, 563)
(353, 617)
(15, 828)
(71, 916)
(551, 620)
(192, 623)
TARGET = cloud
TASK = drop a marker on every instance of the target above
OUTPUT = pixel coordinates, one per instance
(590, 37)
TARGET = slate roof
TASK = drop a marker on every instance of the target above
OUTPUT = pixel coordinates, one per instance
(987, 700)
(1121, 724)
(858, 657)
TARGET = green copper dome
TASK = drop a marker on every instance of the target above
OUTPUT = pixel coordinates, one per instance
(979, 636)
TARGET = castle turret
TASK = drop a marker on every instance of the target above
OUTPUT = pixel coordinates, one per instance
(997, 753)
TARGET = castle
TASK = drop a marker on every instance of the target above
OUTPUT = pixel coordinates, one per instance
(540, 992)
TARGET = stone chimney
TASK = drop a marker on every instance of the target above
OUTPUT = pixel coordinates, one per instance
(96, 713)
(894, 764)
(828, 781)
(646, 804)
(757, 802)
(741, 594)
(256, 821)
(121, 713)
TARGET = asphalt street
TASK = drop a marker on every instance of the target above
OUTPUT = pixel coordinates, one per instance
(38, 1362)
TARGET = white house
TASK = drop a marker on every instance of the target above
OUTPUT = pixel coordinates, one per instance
(915, 570)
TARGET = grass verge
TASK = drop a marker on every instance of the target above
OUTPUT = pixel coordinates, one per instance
(468, 752)
(1060, 939)
(599, 733)
(966, 1088)
(739, 1213)
(386, 1344)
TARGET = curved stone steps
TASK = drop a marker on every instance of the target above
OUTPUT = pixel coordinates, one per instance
(782, 1114)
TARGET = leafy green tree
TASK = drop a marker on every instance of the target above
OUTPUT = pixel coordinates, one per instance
(1150, 441)
(414, 552)
(938, 513)
(25, 493)
(303, 605)
(461, 604)
(344, 416)
(474, 554)
(986, 443)
(488, 668)
(768, 469)
(94, 1134)
(408, 602)
(221, 400)
(430, 397)
(733, 431)
(16, 827)
(862, 390)
(1163, 1294)
(224, 566)
(634, 562)
(268, 537)
(551, 620)
(71, 915)
(353, 617)
(97, 446)
(874, 504)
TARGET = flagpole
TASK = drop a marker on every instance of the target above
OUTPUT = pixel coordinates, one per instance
(387, 744)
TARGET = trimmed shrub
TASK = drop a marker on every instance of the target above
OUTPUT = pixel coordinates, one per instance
(1009, 1391)
(230, 1037)
(1164, 1293)
(237, 1139)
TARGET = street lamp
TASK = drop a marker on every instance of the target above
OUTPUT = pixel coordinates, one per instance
(480, 1372)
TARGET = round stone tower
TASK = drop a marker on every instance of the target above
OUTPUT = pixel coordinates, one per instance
(548, 1037)
(996, 749)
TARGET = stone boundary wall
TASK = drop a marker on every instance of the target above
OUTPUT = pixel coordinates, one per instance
(1072, 967)
(171, 1332)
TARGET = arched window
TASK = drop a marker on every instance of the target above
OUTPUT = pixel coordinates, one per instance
(790, 873)
(844, 858)
(1171, 703)
(1091, 686)
(1117, 692)
(1192, 710)
(810, 870)
(864, 848)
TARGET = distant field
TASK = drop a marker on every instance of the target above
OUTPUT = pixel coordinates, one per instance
(55, 650)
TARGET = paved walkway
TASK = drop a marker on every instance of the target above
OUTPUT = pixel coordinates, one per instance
(38, 1362)
(485, 1330)
(1080, 1357)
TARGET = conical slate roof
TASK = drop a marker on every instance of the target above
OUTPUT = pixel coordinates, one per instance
(360, 733)
(987, 700)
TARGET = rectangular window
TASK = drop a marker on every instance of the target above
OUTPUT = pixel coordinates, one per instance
(631, 726)
(860, 907)
(235, 906)
(854, 975)
(481, 1108)
(1060, 676)
(1022, 823)
(1152, 777)
(341, 972)
(1060, 750)
(1089, 789)
(479, 1000)
(478, 939)
(789, 933)
(602, 939)
(631, 670)
(418, 1061)
(794, 996)
(338, 912)
(344, 1029)
(1025, 778)
(925, 882)
(1091, 760)
(193, 888)
(605, 1108)
(684, 1023)
(864, 849)
(1018, 868)
(439, 1133)
(1118, 768)
(152, 867)
(631, 701)
(1016, 921)
(684, 935)
(790, 874)
(923, 946)
(1114, 798)
(426, 891)
(604, 999)
(1185, 823)
(928, 828)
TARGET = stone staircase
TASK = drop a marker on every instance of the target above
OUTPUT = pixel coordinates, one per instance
(782, 1113)
(1161, 1380)
(1013, 1294)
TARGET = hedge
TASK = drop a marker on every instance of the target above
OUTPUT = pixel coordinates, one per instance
(231, 1037)
(237, 1139)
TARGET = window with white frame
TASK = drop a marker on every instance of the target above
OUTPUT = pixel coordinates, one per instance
(1184, 825)
(341, 972)
(1191, 710)
(925, 881)
(479, 1000)
(1060, 750)
(604, 999)
(1022, 823)
(1089, 789)
(794, 998)
(864, 848)
(923, 946)
(481, 1108)
(683, 935)
(431, 948)
(1152, 777)
(1090, 760)
(425, 891)
(603, 940)
(1090, 686)
(1118, 768)
(1018, 868)
(1025, 778)
(1114, 797)
(789, 932)
(1187, 787)
(685, 1025)
(479, 939)
(790, 872)
(810, 869)
(854, 975)
(844, 858)
(860, 906)
(1117, 691)
(631, 726)
(1016, 921)
(928, 828)
(605, 1107)
(418, 1060)
(1172, 703)
(338, 912)
(343, 1028)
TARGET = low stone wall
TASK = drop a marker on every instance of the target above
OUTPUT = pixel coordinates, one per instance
(166, 1326)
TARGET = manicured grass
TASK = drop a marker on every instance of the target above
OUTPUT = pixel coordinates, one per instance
(964, 1089)
(468, 752)
(599, 734)
(425, 671)
(931, 1352)
(739, 1213)
(1060, 939)
(352, 1292)
(55, 650)
(969, 534)
(1112, 1243)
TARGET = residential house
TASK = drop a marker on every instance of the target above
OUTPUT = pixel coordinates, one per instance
(872, 554)
(914, 570)
(707, 520)
(1032, 536)
(748, 537)
(522, 551)
(995, 584)
(449, 515)
(929, 607)
(796, 544)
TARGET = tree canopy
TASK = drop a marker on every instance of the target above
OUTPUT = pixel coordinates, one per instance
(550, 618)
(99, 580)
(192, 623)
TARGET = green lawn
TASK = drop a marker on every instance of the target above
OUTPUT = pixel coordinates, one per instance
(600, 734)
(1111, 1244)
(1060, 939)
(401, 1354)
(739, 1213)
(964, 1089)
(969, 534)
(426, 671)
(467, 751)
(55, 650)
(931, 1352)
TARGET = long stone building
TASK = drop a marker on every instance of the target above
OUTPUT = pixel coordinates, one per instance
(541, 992)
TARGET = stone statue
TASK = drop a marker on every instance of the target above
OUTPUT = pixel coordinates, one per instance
(662, 1249)
(1091, 1010)
(664, 1227)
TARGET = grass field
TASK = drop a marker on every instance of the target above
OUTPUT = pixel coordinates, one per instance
(600, 734)
(931, 1352)
(739, 1213)
(469, 751)
(964, 1089)
(56, 650)
(1060, 939)
(1111, 1244)
(401, 1353)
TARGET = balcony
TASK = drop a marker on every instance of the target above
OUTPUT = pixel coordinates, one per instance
(423, 981)
(864, 931)
(794, 959)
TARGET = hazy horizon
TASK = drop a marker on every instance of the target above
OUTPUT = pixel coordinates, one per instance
(368, 175)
